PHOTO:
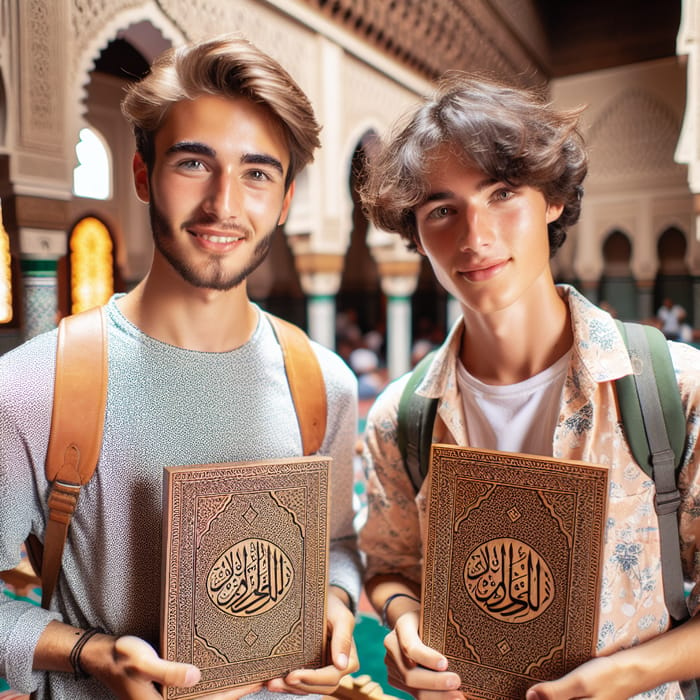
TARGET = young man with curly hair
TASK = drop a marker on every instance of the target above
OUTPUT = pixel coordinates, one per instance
(483, 179)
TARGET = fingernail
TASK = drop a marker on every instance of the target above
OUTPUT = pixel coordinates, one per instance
(453, 683)
(442, 665)
(342, 661)
(192, 676)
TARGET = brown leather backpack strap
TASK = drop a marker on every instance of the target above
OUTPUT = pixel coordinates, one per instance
(305, 383)
(77, 422)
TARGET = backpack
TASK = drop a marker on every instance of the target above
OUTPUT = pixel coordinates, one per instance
(77, 421)
(654, 425)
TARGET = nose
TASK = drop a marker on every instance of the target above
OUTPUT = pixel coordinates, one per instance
(223, 199)
(475, 233)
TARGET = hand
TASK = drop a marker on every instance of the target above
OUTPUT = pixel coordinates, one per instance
(344, 659)
(134, 666)
(600, 678)
(416, 668)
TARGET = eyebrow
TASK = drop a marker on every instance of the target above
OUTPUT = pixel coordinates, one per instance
(263, 159)
(199, 148)
(448, 194)
(191, 147)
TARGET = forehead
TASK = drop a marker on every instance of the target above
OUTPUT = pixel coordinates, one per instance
(447, 162)
(229, 125)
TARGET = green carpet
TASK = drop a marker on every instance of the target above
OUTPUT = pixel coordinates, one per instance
(369, 638)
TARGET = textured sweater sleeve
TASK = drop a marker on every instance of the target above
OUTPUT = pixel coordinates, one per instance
(23, 417)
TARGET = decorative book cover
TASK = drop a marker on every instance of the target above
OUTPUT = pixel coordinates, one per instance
(244, 570)
(512, 566)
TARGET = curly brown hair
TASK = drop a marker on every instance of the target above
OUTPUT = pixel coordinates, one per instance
(229, 66)
(511, 134)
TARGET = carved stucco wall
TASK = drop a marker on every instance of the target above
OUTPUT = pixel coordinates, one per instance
(36, 106)
(349, 96)
(631, 125)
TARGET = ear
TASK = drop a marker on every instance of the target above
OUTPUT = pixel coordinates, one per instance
(141, 184)
(553, 212)
(286, 203)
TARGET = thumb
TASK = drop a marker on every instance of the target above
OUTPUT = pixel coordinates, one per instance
(563, 688)
(140, 657)
(341, 624)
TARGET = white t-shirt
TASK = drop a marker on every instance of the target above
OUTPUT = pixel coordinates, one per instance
(515, 417)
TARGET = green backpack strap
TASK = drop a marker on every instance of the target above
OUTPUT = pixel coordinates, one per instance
(415, 424)
(654, 424)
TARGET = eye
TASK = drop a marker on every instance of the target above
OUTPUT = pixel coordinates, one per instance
(502, 194)
(260, 175)
(191, 164)
(440, 212)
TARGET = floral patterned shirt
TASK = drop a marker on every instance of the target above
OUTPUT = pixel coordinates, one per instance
(632, 607)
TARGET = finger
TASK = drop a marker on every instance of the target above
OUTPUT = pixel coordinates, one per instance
(320, 680)
(398, 682)
(562, 689)
(139, 657)
(277, 685)
(341, 624)
(411, 646)
(406, 675)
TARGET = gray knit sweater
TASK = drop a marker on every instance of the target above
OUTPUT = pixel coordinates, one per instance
(166, 406)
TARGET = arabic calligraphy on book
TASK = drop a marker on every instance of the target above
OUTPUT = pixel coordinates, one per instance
(250, 578)
(511, 573)
(509, 580)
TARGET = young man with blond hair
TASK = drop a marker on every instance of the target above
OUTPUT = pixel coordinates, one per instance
(196, 375)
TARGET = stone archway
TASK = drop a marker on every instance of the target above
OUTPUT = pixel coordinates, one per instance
(617, 288)
(673, 280)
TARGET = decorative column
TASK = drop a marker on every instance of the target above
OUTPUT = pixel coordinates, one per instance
(320, 310)
(320, 279)
(41, 250)
(399, 280)
(688, 148)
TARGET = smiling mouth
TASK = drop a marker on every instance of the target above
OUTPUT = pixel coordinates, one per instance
(482, 273)
(220, 239)
(217, 238)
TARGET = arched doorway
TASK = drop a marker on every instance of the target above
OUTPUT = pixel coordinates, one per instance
(360, 304)
(87, 276)
(673, 280)
(617, 287)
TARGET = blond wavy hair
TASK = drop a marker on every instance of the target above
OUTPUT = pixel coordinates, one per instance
(228, 66)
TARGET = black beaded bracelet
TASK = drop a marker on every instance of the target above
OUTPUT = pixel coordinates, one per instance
(388, 601)
(78, 671)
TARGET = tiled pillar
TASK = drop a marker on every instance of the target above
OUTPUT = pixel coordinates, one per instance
(40, 296)
(41, 250)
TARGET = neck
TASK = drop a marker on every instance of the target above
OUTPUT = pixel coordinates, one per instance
(514, 344)
(205, 320)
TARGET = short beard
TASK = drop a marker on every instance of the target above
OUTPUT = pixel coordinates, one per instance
(213, 276)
